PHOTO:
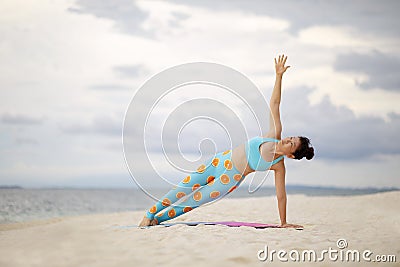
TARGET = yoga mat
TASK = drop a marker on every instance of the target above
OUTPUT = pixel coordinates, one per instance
(229, 223)
(226, 223)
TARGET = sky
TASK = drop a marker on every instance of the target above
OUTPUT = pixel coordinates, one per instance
(70, 70)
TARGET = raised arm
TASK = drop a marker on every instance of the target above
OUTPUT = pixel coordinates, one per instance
(275, 125)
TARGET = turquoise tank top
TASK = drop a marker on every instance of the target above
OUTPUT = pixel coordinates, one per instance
(256, 162)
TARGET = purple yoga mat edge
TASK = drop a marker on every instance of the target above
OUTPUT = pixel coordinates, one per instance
(226, 223)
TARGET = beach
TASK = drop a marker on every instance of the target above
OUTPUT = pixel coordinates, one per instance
(364, 222)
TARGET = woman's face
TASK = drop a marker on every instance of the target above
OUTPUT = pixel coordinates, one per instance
(289, 145)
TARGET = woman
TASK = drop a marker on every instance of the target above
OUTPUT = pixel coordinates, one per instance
(224, 172)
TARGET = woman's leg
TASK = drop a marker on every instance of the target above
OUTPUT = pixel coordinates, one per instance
(227, 179)
(190, 183)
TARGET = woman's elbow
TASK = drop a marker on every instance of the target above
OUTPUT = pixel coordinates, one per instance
(274, 103)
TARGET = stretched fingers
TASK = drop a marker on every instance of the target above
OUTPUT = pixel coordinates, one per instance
(281, 59)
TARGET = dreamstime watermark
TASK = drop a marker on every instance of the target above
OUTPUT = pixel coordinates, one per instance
(310, 255)
(150, 127)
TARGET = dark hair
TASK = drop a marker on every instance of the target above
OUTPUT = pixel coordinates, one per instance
(305, 149)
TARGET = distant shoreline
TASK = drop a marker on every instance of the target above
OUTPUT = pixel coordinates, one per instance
(11, 187)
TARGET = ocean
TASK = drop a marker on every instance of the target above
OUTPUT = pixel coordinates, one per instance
(21, 204)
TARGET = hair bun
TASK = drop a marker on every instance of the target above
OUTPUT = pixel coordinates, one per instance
(310, 153)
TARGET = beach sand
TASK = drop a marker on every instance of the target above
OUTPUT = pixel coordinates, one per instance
(366, 222)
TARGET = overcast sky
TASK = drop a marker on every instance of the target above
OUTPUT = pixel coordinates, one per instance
(69, 70)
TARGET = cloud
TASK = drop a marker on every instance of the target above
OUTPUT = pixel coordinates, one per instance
(80, 49)
(145, 17)
(179, 19)
(20, 119)
(109, 87)
(100, 125)
(130, 71)
(123, 71)
(363, 15)
(382, 69)
(335, 131)
(26, 141)
(124, 13)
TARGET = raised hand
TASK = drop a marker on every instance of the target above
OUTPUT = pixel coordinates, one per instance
(280, 67)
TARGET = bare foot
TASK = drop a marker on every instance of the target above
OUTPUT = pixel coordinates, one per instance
(154, 222)
(145, 222)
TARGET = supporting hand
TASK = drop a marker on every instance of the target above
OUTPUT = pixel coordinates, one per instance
(289, 225)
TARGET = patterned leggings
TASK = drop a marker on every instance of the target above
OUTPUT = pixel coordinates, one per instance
(212, 181)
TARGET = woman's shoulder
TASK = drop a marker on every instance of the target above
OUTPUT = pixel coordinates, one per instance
(280, 165)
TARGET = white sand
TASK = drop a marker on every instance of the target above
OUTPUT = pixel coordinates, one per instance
(367, 222)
